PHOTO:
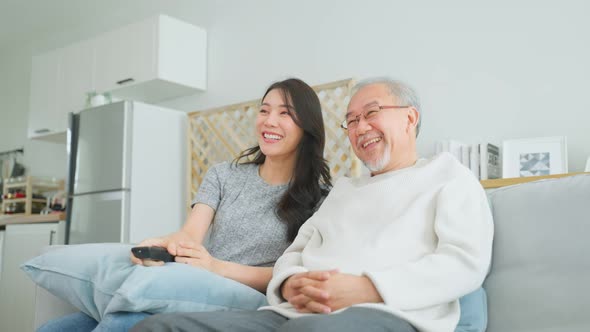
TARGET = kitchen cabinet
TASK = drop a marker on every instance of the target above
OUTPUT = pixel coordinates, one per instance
(17, 291)
(77, 70)
(60, 81)
(152, 60)
(44, 108)
(125, 56)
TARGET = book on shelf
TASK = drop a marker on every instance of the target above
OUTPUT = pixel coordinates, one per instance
(465, 155)
(474, 160)
(458, 149)
(482, 159)
(489, 161)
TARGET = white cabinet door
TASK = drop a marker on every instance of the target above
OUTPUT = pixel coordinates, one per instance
(45, 80)
(77, 62)
(153, 60)
(60, 81)
(157, 59)
(17, 291)
(126, 56)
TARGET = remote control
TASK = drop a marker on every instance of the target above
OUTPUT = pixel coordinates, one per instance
(153, 253)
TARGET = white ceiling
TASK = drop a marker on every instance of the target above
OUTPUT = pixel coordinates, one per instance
(22, 21)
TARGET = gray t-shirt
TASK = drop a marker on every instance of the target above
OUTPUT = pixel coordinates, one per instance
(245, 227)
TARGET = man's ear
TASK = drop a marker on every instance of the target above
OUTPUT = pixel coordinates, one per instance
(413, 117)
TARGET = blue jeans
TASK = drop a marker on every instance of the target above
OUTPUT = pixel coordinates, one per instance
(79, 321)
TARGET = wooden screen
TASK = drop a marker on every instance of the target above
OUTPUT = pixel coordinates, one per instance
(220, 134)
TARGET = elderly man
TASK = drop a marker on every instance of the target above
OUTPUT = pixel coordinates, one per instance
(391, 251)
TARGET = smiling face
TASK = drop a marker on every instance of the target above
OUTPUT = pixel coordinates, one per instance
(387, 141)
(278, 135)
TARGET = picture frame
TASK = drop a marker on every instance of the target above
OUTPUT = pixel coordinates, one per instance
(534, 156)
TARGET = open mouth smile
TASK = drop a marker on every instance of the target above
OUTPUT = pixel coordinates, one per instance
(271, 137)
(370, 142)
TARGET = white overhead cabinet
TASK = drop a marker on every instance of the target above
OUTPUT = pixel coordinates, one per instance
(77, 78)
(125, 57)
(153, 60)
(60, 82)
(43, 102)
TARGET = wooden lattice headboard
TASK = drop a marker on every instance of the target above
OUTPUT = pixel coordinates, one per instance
(220, 134)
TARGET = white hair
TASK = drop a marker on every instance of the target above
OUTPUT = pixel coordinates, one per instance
(402, 91)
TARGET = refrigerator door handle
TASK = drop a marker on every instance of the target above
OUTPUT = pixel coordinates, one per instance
(71, 147)
(51, 233)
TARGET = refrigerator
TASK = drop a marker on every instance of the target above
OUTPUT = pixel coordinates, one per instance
(127, 173)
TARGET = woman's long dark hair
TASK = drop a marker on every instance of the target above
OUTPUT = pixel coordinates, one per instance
(311, 177)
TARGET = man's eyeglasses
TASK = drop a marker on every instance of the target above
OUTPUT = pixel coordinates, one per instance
(369, 114)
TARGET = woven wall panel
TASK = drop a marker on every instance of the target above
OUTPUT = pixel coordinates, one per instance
(220, 134)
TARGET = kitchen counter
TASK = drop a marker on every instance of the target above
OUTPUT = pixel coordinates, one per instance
(36, 218)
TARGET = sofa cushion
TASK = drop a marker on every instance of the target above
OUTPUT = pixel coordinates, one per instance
(176, 287)
(99, 279)
(85, 275)
(539, 279)
(474, 312)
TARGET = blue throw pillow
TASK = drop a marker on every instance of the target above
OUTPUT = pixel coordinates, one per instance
(474, 312)
(176, 287)
(99, 279)
(85, 275)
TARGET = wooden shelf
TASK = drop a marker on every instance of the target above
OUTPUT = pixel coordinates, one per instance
(36, 183)
(497, 183)
(21, 218)
(14, 185)
(24, 200)
(11, 216)
(29, 184)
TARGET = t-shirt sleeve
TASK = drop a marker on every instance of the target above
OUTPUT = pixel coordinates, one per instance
(210, 190)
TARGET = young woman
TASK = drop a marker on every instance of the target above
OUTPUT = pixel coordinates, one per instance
(256, 204)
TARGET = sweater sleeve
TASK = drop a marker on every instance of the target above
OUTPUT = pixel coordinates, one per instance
(458, 265)
(288, 264)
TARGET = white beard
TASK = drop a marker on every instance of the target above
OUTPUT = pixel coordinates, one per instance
(381, 162)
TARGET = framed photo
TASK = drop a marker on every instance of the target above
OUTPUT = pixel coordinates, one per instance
(534, 156)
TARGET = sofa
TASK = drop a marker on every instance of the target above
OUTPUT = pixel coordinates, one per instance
(540, 274)
(539, 279)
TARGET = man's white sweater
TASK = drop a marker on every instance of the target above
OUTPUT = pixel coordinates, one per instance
(422, 235)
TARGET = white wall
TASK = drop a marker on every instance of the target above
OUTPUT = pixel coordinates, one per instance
(493, 71)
